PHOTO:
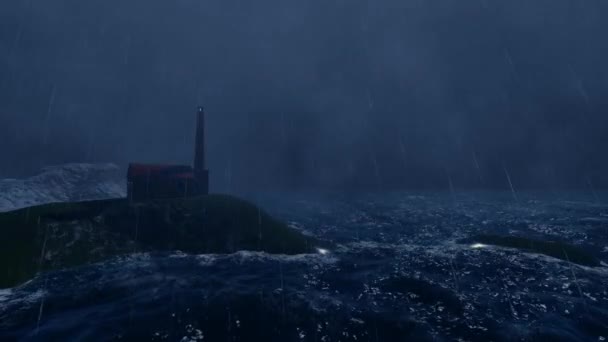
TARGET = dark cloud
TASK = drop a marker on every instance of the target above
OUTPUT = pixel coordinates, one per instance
(312, 94)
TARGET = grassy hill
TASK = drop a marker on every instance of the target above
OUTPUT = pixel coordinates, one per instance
(60, 235)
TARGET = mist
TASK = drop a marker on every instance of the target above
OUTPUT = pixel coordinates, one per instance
(388, 94)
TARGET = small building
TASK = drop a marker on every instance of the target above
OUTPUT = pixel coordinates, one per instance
(155, 181)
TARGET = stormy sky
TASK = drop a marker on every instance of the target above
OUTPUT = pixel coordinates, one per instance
(312, 94)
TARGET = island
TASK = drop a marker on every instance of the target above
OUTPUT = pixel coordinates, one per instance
(61, 235)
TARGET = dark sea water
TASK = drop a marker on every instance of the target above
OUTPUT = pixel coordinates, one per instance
(397, 271)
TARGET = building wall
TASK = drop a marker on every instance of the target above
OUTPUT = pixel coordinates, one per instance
(142, 188)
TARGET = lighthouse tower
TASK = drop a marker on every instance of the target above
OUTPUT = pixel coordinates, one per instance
(201, 174)
(156, 181)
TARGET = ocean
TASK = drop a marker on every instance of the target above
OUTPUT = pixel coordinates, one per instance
(400, 266)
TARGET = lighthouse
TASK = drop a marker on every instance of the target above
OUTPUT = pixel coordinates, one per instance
(157, 181)
(201, 174)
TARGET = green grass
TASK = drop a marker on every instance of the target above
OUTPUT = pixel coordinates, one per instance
(556, 249)
(86, 232)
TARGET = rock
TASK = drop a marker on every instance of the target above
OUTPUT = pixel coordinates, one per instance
(555, 249)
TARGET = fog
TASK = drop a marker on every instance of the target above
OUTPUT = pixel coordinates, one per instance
(313, 94)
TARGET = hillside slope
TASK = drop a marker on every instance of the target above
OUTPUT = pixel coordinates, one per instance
(60, 235)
